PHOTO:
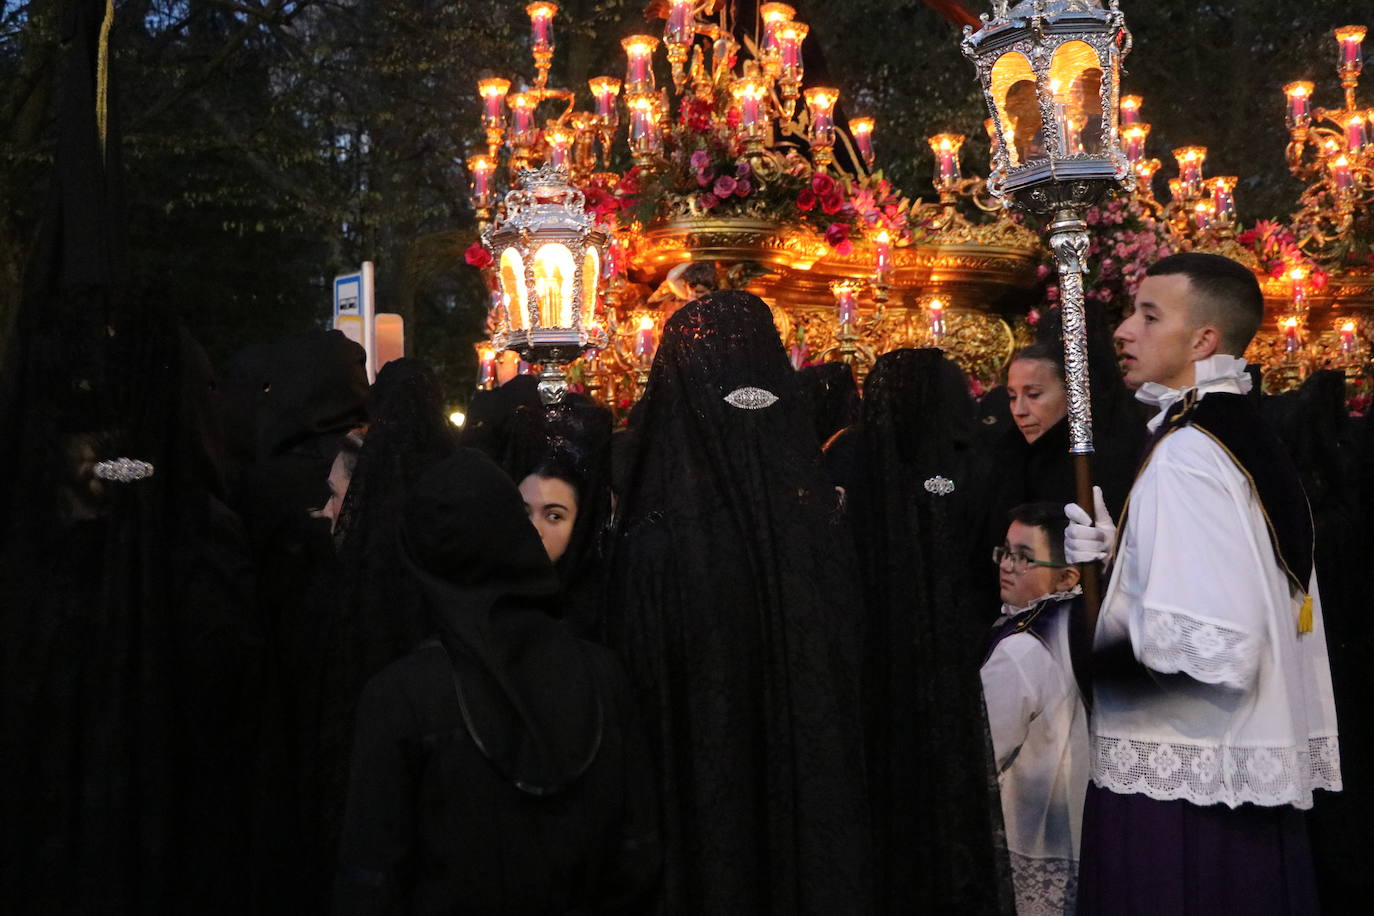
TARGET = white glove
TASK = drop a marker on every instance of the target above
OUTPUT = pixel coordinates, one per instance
(1087, 540)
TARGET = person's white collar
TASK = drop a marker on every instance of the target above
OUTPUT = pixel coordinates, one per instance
(1010, 611)
(1215, 373)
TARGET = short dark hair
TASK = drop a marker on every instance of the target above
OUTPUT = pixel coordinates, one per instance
(702, 273)
(1225, 293)
(1049, 518)
(1043, 352)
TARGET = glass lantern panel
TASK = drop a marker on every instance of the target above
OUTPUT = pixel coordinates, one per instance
(1076, 82)
(591, 271)
(1018, 108)
(553, 285)
(513, 292)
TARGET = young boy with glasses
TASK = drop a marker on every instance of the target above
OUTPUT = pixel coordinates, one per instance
(1035, 714)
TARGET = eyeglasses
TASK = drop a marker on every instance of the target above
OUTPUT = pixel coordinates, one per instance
(1020, 561)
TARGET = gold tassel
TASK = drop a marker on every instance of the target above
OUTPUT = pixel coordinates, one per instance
(1305, 616)
(102, 75)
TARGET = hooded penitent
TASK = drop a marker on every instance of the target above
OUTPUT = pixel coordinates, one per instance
(738, 616)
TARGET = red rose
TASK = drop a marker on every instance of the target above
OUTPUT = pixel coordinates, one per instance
(806, 199)
(832, 203)
(478, 256)
(836, 233)
(724, 186)
(822, 184)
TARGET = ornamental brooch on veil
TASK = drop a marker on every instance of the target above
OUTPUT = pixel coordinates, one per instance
(939, 486)
(749, 398)
(123, 470)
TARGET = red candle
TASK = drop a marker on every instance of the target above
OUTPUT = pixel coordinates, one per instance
(821, 103)
(678, 30)
(862, 130)
(790, 38)
(480, 169)
(1356, 135)
(1223, 199)
(1350, 37)
(1348, 339)
(639, 71)
(488, 368)
(937, 319)
(946, 149)
(522, 119)
(1290, 336)
(541, 24)
(604, 90)
(493, 92)
(644, 341)
(1130, 110)
(774, 15)
(643, 125)
(1133, 138)
(846, 301)
(1340, 174)
(559, 141)
(882, 243)
(1299, 96)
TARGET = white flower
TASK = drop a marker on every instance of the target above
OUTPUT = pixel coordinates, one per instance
(1265, 765)
(1208, 642)
(1164, 761)
(1123, 756)
(1204, 765)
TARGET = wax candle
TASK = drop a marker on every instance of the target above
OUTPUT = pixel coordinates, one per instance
(790, 38)
(1223, 199)
(487, 373)
(644, 341)
(1350, 38)
(604, 90)
(1190, 160)
(1299, 95)
(774, 15)
(1340, 174)
(1291, 344)
(846, 302)
(1356, 133)
(541, 24)
(882, 244)
(1348, 339)
(820, 102)
(1133, 141)
(749, 92)
(678, 29)
(493, 92)
(643, 125)
(639, 71)
(862, 131)
(937, 319)
(1130, 110)
(559, 142)
(946, 149)
(522, 119)
(480, 170)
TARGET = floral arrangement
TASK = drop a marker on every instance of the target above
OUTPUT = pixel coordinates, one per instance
(1276, 249)
(1126, 239)
(706, 171)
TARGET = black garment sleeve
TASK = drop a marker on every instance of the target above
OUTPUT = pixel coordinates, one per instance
(378, 847)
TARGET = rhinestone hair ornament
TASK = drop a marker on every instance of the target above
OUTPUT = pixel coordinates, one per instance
(939, 486)
(123, 470)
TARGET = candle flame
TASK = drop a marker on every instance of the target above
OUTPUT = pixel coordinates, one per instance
(936, 305)
(1130, 102)
(646, 323)
(1290, 323)
(493, 88)
(883, 238)
(1297, 273)
(542, 10)
(1350, 33)
(1341, 162)
(861, 125)
(604, 85)
(777, 12)
(1348, 328)
(1298, 90)
(457, 418)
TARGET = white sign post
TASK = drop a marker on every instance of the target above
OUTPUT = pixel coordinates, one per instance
(355, 307)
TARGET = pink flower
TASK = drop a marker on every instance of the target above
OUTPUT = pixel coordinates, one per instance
(743, 187)
(706, 177)
(1033, 317)
(1042, 271)
(832, 203)
(1052, 293)
(844, 248)
(836, 233)
(743, 169)
(709, 200)
(806, 199)
(724, 186)
(700, 159)
(822, 184)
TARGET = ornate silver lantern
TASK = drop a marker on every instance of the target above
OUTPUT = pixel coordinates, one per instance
(1049, 70)
(549, 256)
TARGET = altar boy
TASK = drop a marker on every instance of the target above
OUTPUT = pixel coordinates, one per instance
(1213, 718)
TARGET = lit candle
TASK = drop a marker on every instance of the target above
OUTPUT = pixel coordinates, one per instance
(522, 119)
(643, 125)
(1133, 141)
(1290, 335)
(480, 170)
(846, 294)
(1223, 198)
(604, 90)
(1350, 37)
(1348, 339)
(1340, 174)
(678, 29)
(541, 15)
(1297, 277)
(493, 92)
(1130, 110)
(1145, 174)
(946, 150)
(560, 141)
(862, 131)
(1190, 160)
(882, 243)
(639, 71)
(644, 341)
(790, 38)
(1355, 132)
(774, 15)
(749, 93)
(937, 319)
(820, 101)
(1202, 215)
(1061, 117)
(1175, 189)
(1299, 96)
(488, 368)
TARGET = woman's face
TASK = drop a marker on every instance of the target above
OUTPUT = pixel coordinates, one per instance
(338, 489)
(1037, 398)
(551, 504)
